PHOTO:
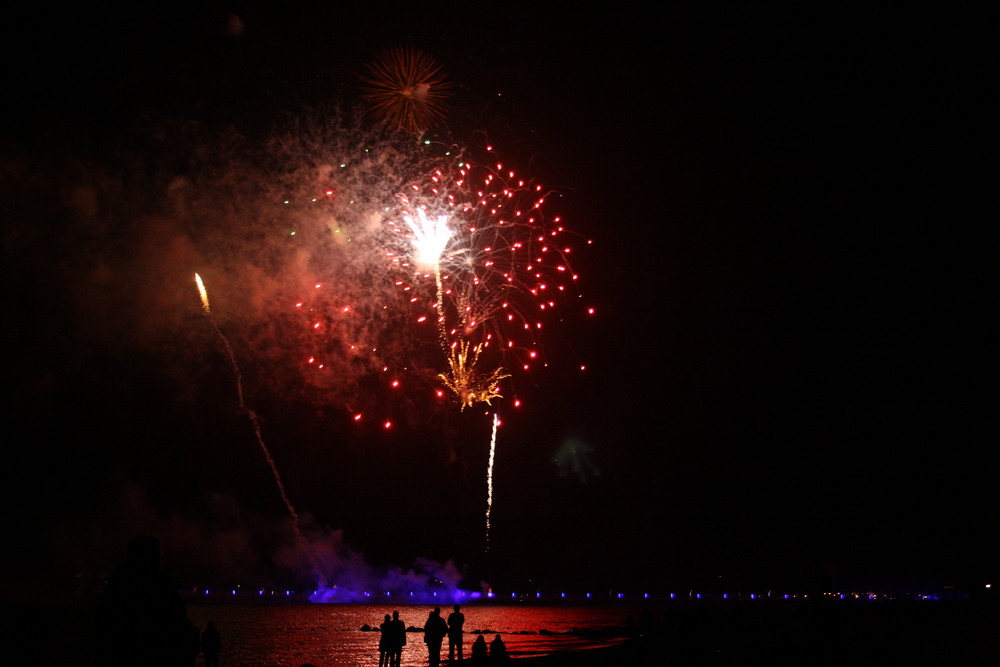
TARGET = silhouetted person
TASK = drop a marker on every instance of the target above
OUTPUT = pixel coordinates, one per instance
(383, 643)
(397, 639)
(456, 620)
(479, 650)
(498, 650)
(434, 631)
(192, 642)
(141, 618)
(211, 644)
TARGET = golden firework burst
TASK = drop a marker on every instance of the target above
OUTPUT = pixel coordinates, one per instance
(468, 385)
(406, 89)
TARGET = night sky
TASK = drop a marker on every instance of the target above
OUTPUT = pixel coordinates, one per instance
(784, 376)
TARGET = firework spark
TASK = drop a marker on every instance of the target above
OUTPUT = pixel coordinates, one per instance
(203, 293)
(406, 89)
(430, 238)
(468, 384)
(489, 477)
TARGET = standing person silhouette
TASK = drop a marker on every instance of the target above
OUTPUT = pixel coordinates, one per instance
(397, 639)
(434, 631)
(456, 619)
(211, 644)
(384, 652)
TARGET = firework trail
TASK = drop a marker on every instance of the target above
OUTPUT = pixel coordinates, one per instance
(489, 477)
(251, 415)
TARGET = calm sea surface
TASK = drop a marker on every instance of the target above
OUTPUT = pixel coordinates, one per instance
(287, 635)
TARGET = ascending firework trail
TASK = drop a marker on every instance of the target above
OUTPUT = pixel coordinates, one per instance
(489, 477)
(251, 415)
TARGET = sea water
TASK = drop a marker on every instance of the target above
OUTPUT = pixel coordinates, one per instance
(328, 635)
(289, 635)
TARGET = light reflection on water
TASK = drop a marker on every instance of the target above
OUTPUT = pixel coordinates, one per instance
(327, 635)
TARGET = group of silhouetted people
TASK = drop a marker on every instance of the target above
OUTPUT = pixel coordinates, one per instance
(390, 646)
(142, 620)
(436, 629)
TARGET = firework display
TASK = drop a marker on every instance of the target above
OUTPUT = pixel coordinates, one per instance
(413, 275)
(475, 264)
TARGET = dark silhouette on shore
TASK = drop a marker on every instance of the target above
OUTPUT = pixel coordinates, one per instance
(396, 639)
(498, 650)
(141, 618)
(479, 650)
(384, 655)
(456, 620)
(192, 643)
(211, 645)
(435, 630)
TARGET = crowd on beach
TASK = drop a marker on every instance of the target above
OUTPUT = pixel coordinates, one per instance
(436, 628)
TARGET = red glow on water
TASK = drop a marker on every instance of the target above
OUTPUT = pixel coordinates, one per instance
(286, 632)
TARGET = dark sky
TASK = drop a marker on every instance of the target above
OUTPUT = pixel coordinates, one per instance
(784, 367)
